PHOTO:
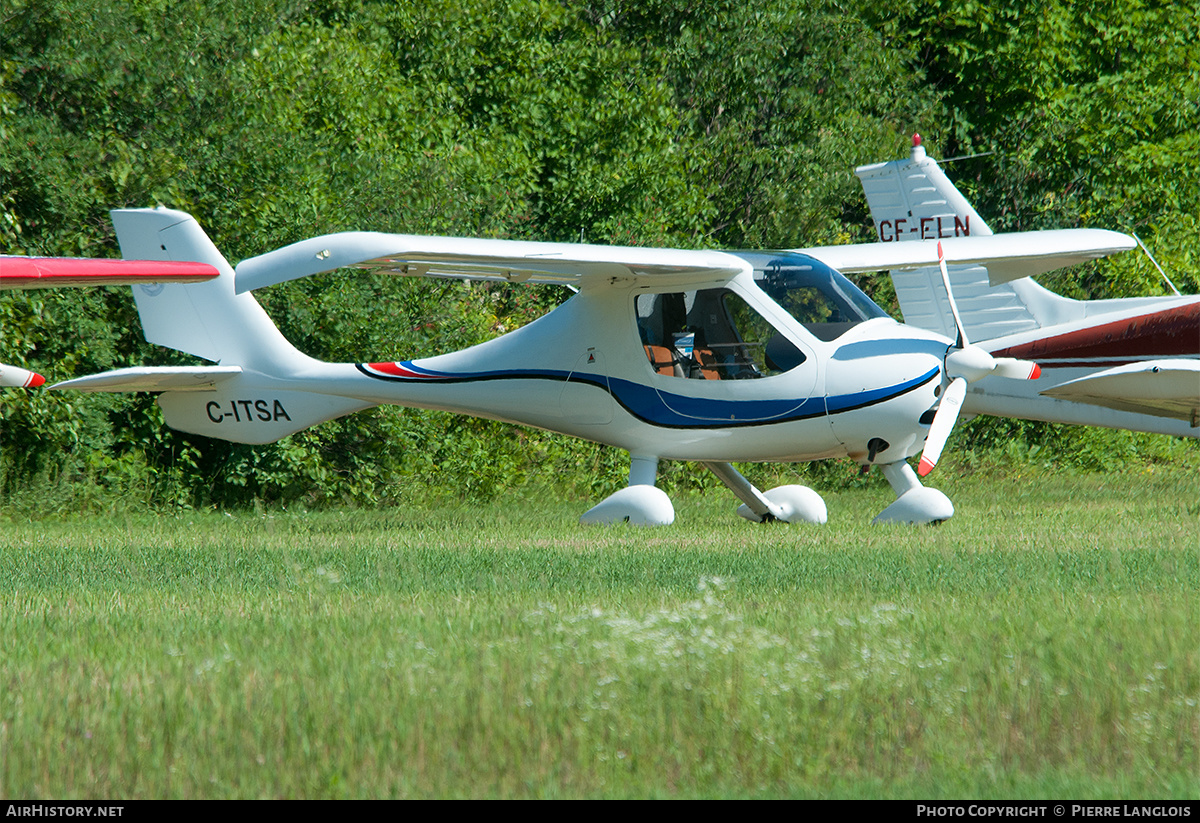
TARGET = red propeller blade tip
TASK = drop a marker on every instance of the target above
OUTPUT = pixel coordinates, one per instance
(1036, 373)
(34, 381)
(925, 466)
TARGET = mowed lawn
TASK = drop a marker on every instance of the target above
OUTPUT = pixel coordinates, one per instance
(1044, 643)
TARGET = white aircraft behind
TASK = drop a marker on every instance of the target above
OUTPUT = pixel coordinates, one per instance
(1131, 363)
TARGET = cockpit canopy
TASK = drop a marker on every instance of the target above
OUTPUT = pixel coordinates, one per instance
(714, 334)
(818, 297)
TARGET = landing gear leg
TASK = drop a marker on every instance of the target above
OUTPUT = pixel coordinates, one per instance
(640, 503)
(791, 504)
(914, 503)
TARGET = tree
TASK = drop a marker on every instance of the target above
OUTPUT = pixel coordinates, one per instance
(1090, 112)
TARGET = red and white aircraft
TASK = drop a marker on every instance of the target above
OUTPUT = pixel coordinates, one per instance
(1131, 363)
(52, 272)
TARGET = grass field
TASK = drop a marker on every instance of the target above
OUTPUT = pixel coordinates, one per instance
(1043, 644)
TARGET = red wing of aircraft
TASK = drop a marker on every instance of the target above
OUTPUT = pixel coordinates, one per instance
(53, 272)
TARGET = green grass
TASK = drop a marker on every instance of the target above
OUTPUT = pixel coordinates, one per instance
(1044, 643)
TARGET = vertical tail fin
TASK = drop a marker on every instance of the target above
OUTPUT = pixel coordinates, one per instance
(254, 403)
(914, 200)
(208, 320)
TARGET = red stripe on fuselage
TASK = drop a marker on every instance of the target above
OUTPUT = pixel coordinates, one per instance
(395, 370)
(1167, 333)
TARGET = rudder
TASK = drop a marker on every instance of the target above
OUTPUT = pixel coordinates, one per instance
(913, 199)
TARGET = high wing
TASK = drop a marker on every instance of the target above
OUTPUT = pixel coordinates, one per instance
(50, 272)
(1008, 256)
(1163, 388)
(510, 261)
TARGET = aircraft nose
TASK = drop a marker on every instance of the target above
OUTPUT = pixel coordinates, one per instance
(880, 392)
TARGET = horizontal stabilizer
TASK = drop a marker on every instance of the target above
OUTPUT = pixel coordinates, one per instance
(1009, 256)
(1162, 388)
(51, 272)
(154, 379)
(511, 261)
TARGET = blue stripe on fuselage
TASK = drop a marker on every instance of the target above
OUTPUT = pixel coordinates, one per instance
(676, 411)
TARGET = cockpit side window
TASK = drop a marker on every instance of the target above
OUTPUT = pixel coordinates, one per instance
(814, 309)
(711, 334)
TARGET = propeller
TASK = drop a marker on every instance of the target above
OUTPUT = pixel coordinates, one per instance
(964, 364)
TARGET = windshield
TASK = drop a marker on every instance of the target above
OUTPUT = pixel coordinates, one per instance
(820, 298)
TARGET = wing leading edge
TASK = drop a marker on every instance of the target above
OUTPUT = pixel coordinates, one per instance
(1009, 256)
(512, 261)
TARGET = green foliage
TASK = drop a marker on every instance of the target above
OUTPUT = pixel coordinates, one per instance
(779, 101)
(715, 123)
(1090, 111)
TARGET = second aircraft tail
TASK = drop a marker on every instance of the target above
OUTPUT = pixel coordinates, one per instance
(913, 199)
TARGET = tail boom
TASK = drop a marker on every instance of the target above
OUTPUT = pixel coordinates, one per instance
(249, 414)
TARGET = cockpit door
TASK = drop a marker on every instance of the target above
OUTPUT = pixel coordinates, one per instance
(712, 357)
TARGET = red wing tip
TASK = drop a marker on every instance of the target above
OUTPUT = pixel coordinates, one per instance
(925, 466)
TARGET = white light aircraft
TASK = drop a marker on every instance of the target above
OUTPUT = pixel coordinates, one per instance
(1130, 363)
(17, 272)
(708, 356)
